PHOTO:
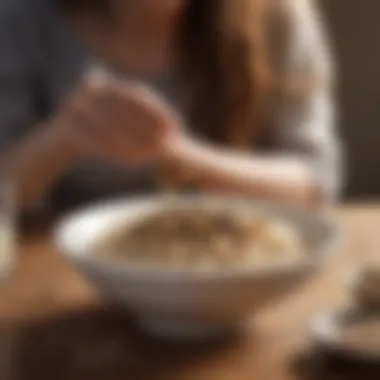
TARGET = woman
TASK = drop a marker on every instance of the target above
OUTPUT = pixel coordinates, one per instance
(244, 105)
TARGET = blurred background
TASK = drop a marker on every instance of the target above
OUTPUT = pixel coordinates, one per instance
(45, 284)
(354, 30)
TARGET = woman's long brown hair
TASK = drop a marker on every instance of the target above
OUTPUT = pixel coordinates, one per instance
(222, 47)
(224, 62)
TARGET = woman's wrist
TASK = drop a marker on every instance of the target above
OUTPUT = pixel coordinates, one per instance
(60, 141)
(37, 160)
(182, 154)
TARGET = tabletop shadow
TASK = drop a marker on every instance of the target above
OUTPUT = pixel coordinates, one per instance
(101, 344)
(318, 364)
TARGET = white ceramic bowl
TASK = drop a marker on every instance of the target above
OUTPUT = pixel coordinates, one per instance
(179, 302)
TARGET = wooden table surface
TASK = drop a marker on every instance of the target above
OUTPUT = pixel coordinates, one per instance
(53, 325)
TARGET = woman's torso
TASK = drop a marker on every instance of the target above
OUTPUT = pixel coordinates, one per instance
(64, 61)
(68, 61)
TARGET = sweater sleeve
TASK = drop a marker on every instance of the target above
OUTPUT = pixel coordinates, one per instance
(304, 118)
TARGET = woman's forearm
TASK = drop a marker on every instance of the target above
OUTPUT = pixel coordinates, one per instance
(280, 178)
(35, 163)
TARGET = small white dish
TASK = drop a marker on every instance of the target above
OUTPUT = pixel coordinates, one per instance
(352, 334)
(184, 303)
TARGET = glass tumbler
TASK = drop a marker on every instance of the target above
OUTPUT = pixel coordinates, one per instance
(7, 228)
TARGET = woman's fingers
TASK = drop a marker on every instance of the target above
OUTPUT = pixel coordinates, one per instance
(126, 123)
(134, 120)
(100, 128)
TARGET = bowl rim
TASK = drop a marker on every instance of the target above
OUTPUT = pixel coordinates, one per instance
(79, 257)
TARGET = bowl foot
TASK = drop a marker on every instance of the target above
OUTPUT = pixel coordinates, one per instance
(179, 330)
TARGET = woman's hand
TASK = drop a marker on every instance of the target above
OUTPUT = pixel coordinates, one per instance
(117, 121)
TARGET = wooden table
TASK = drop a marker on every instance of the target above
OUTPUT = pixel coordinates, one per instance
(53, 326)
